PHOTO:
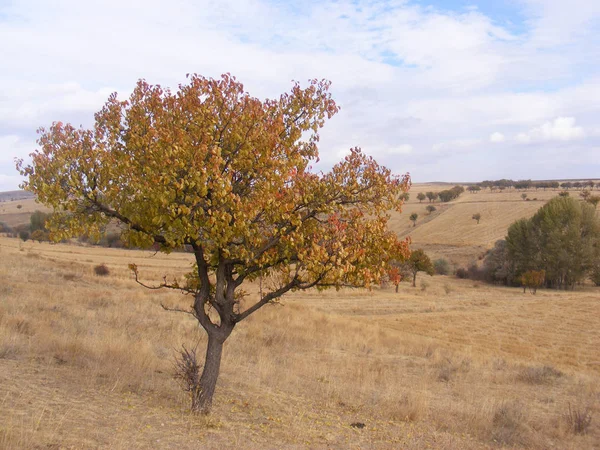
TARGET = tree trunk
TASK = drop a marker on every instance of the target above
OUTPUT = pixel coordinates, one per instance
(415, 279)
(202, 400)
(397, 286)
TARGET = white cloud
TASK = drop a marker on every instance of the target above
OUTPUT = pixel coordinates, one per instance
(497, 137)
(403, 149)
(559, 129)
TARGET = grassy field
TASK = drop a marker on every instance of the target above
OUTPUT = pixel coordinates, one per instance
(87, 361)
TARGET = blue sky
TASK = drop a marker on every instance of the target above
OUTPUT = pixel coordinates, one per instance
(448, 90)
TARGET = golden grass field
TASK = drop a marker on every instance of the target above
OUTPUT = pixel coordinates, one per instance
(86, 361)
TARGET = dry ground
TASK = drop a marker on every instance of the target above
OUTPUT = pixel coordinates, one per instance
(86, 362)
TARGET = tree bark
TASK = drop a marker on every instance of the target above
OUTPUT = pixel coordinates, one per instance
(415, 279)
(202, 400)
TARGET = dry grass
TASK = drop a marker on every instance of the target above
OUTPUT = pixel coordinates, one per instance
(87, 361)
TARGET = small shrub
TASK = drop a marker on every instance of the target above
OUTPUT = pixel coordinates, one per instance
(187, 373)
(101, 270)
(441, 266)
(24, 235)
(578, 419)
(447, 288)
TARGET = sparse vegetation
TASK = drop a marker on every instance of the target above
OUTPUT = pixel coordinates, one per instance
(102, 270)
(441, 266)
(477, 217)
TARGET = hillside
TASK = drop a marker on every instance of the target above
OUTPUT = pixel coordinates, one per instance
(87, 362)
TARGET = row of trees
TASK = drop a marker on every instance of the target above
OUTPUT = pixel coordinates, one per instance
(444, 196)
(562, 239)
(504, 183)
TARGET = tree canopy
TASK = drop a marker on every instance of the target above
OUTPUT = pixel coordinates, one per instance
(229, 175)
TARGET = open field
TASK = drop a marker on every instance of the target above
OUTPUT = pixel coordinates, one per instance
(86, 362)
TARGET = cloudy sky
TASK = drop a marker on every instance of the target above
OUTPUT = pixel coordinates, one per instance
(448, 90)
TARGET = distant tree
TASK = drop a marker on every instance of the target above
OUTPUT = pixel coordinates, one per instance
(227, 174)
(589, 184)
(414, 217)
(563, 194)
(585, 194)
(523, 184)
(477, 217)
(446, 195)
(523, 195)
(441, 266)
(559, 239)
(497, 266)
(474, 189)
(405, 196)
(566, 185)
(395, 276)
(533, 279)
(577, 184)
(24, 235)
(19, 206)
(430, 208)
(419, 262)
(37, 221)
(431, 196)
(39, 235)
(554, 185)
(421, 197)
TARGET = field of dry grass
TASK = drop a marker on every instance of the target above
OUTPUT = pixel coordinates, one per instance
(86, 362)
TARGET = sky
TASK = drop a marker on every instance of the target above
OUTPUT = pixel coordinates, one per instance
(448, 90)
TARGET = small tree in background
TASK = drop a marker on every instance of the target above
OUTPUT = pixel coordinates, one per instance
(39, 235)
(533, 279)
(585, 194)
(474, 189)
(414, 217)
(421, 197)
(405, 196)
(37, 221)
(395, 276)
(432, 196)
(563, 194)
(430, 208)
(441, 266)
(524, 196)
(419, 262)
(477, 217)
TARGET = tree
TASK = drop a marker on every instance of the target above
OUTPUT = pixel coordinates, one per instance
(414, 217)
(37, 221)
(441, 266)
(431, 196)
(533, 279)
(563, 194)
(474, 189)
(24, 235)
(419, 262)
(39, 235)
(477, 217)
(524, 196)
(421, 197)
(405, 196)
(585, 194)
(227, 175)
(559, 239)
(430, 208)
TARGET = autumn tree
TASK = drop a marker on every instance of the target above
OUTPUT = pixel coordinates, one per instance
(533, 279)
(418, 262)
(414, 217)
(227, 175)
(421, 197)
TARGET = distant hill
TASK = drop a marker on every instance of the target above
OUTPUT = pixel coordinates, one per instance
(15, 195)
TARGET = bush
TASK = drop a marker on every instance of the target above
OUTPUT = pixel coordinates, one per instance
(5, 228)
(39, 235)
(101, 270)
(441, 266)
(430, 208)
(24, 235)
